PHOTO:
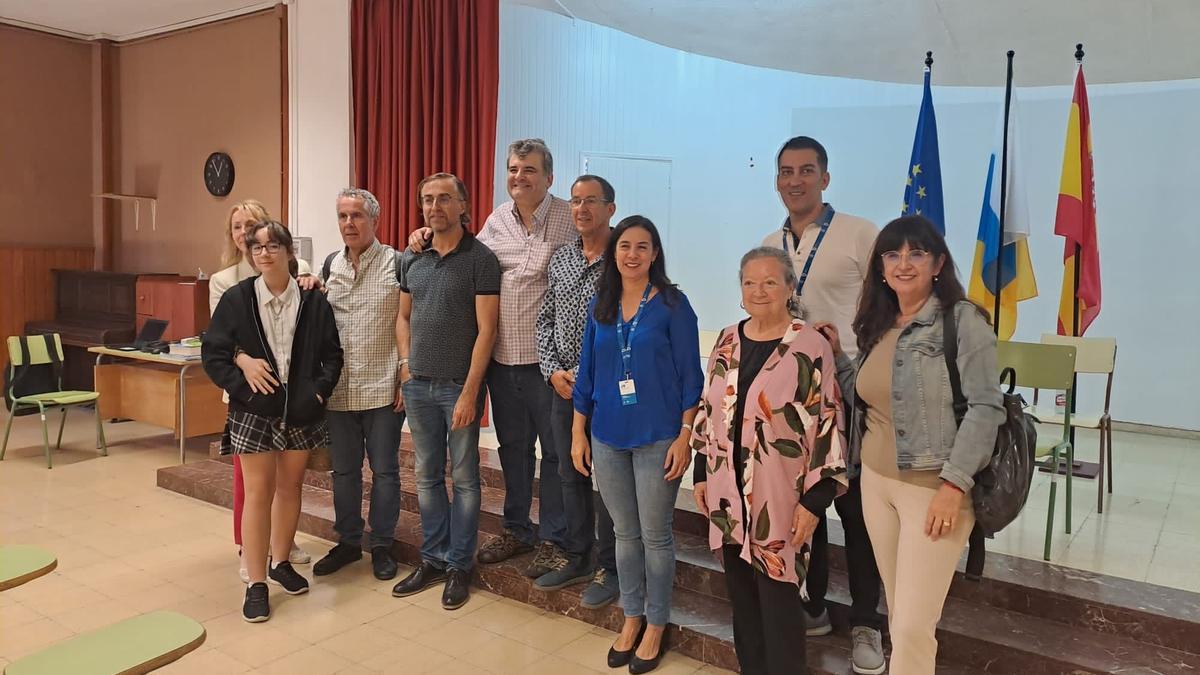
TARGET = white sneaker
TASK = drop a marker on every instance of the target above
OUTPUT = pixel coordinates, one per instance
(243, 574)
(299, 556)
(867, 655)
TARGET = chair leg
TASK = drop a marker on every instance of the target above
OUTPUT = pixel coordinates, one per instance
(1050, 506)
(100, 441)
(1108, 449)
(1070, 470)
(46, 440)
(7, 429)
(1100, 476)
(61, 425)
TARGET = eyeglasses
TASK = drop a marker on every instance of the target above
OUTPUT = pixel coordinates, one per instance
(270, 247)
(587, 201)
(915, 256)
(440, 200)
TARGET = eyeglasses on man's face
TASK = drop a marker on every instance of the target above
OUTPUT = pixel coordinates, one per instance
(587, 201)
(914, 256)
(441, 200)
(272, 247)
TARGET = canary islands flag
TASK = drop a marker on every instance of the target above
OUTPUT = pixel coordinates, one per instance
(1076, 220)
(923, 189)
(1004, 253)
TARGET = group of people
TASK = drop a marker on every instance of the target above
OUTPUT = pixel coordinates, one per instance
(832, 390)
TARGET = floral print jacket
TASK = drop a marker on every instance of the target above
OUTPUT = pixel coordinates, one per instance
(793, 432)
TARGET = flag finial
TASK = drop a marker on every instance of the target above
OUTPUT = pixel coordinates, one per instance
(928, 59)
(1079, 52)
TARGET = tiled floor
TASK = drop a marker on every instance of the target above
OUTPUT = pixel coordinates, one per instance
(126, 547)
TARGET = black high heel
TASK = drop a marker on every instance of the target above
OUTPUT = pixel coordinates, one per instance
(639, 666)
(616, 659)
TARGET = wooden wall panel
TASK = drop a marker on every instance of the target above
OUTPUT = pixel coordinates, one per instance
(27, 286)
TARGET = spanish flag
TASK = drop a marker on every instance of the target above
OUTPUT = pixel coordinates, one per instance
(1002, 258)
(1076, 220)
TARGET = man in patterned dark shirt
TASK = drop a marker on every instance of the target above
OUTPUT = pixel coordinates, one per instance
(573, 272)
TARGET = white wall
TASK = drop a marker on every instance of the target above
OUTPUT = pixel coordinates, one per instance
(586, 88)
(320, 133)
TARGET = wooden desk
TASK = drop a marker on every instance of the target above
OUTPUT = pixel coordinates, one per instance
(159, 389)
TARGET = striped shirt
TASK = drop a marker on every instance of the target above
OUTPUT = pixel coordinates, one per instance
(524, 257)
(365, 306)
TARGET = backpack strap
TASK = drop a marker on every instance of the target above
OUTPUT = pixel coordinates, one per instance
(326, 266)
(950, 351)
(399, 267)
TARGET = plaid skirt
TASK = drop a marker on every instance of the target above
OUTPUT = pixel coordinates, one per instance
(246, 433)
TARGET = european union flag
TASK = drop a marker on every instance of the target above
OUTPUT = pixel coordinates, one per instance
(923, 191)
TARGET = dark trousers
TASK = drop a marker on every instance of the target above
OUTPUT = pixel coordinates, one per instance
(588, 524)
(521, 415)
(374, 433)
(860, 563)
(768, 630)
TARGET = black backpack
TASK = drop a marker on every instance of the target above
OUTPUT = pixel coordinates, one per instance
(1001, 487)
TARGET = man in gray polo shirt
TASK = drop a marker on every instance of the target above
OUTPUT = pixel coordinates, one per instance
(445, 330)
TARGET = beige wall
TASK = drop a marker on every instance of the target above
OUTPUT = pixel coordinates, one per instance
(45, 140)
(176, 100)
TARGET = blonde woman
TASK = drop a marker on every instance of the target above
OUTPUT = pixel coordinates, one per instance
(237, 266)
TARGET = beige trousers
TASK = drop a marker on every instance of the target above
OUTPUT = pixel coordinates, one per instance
(916, 571)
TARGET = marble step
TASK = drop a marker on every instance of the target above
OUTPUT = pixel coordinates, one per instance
(972, 634)
(1156, 615)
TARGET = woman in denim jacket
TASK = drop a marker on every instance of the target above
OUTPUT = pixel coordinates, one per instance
(917, 463)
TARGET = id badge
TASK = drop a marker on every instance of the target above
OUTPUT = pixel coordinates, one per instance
(628, 392)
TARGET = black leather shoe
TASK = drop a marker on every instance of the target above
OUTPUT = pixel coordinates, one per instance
(616, 659)
(418, 580)
(639, 666)
(382, 563)
(458, 589)
(338, 557)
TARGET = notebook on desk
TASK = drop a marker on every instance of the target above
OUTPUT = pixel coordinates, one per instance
(152, 331)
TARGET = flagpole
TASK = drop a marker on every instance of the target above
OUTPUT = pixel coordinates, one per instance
(1075, 297)
(1008, 83)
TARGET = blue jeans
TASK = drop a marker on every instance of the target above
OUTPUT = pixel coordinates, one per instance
(521, 415)
(588, 524)
(374, 433)
(642, 505)
(450, 531)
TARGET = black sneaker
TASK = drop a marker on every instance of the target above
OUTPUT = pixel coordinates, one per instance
(286, 576)
(382, 563)
(458, 589)
(565, 572)
(257, 607)
(338, 557)
(502, 548)
(547, 558)
(423, 577)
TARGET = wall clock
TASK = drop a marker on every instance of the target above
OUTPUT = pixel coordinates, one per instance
(218, 174)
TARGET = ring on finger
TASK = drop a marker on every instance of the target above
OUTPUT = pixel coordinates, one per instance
(946, 524)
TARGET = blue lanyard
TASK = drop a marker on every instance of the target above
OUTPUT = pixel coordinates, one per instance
(823, 221)
(625, 340)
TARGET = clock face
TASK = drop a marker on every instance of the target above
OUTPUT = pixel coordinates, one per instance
(218, 174)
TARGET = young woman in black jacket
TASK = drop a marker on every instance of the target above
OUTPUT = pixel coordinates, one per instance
(268, 317)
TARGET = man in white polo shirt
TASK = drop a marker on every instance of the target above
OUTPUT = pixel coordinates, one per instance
(831, 252)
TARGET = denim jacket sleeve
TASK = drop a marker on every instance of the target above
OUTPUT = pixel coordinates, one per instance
(976, 437)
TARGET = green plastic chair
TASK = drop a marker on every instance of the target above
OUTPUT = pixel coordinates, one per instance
(1043, 366)
(40, 350)
(133, 646)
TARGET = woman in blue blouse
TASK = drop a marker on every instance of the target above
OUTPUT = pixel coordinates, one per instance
(639, 385)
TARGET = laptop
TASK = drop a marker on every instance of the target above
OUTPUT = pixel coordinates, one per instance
(152, 331)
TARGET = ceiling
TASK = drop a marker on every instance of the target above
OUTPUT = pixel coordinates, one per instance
(884, 40)
(120, 19)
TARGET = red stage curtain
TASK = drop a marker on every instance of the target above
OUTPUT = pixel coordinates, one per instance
(425, 79)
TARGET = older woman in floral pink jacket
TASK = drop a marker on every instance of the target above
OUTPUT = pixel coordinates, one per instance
(770, 443)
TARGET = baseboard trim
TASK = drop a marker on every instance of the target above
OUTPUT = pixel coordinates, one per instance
(1170, 432)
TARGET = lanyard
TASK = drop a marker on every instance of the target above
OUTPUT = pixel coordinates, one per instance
(823, 221)
(625, 340)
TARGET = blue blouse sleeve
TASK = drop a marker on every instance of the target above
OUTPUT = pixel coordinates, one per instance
(585, 380)
(685, 351)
